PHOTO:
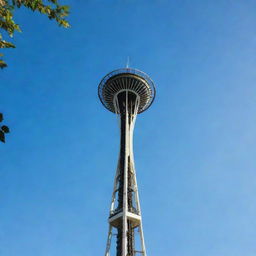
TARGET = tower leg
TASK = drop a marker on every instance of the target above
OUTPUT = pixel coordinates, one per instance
(107, 253)
(125, 206)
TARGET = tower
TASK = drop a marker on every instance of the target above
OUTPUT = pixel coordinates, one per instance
(126, 92)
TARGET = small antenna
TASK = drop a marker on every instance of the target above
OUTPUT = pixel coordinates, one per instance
(128, 62)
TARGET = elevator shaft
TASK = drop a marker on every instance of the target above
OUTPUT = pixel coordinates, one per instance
(126, 102)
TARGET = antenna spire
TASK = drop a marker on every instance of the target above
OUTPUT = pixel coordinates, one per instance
(128, 62)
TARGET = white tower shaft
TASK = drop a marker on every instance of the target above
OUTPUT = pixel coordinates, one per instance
(125, 213)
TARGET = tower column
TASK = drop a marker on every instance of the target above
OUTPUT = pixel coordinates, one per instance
(126, 93)
(126, 108)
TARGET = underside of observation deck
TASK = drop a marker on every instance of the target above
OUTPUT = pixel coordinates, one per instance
(127, 79)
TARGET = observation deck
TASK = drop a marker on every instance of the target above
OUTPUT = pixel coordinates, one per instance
(127, 79)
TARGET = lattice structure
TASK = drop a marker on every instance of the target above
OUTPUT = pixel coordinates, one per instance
(126, 92)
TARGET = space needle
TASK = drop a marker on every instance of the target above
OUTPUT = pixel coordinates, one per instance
(126, 92)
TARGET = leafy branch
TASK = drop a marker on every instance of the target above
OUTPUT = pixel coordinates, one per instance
(51, 8)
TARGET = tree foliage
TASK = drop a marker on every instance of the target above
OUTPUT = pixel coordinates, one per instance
(3, 129)
(51, 8)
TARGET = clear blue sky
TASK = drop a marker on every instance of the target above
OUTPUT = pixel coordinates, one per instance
(194, 148)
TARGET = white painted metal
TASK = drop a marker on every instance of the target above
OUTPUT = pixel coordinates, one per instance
(125, 214)
(125, 205)
(107, 253)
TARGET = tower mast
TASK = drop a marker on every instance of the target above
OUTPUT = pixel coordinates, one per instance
(126, 92)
